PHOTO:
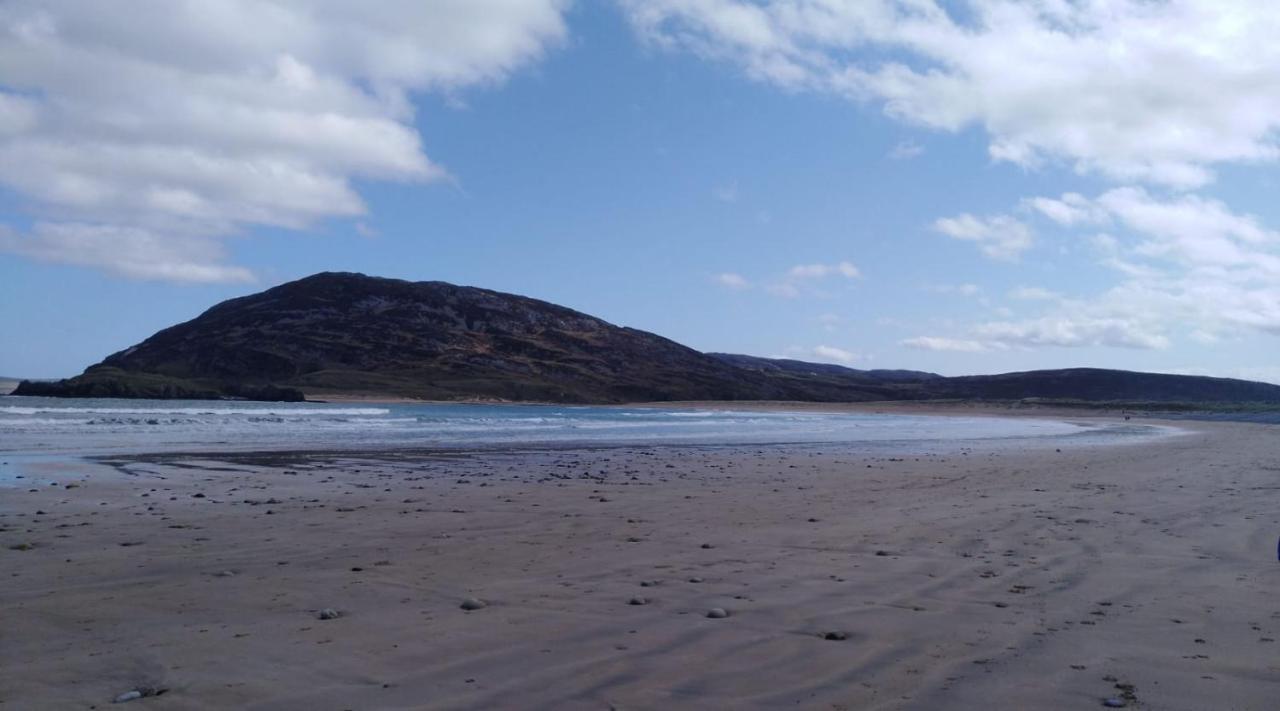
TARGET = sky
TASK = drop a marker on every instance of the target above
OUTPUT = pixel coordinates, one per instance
(960, 186)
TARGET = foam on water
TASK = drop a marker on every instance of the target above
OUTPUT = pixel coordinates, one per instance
(46, 425)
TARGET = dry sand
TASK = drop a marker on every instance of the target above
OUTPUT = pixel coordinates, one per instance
(979, 580)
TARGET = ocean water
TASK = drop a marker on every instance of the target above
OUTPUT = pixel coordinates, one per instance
(78, 427)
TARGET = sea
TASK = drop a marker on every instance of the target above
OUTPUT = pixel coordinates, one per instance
(34, 426)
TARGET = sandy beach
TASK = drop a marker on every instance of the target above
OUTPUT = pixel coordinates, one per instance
(976, 579)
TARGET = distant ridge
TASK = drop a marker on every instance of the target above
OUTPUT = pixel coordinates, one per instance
(343, 333)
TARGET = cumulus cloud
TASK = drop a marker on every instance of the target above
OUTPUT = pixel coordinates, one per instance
(796, 281)
(821, 271)
(823, 354)
(1185, 266)
(174, 124)
(833, 354)
(999, 236)
(1135, 90)
(1034, 293)
(1069, 210)
(125, 251)
(939, 343)
(1074, 330)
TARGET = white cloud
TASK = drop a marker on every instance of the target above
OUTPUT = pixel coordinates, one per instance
(938, 343)
(821, 271)
(125, 251)
(1132, 89)
(1073, 330)
(178, 123)
(729, 280)
(999, 237)
(1034, 293)
(822, 354)
(1193, 231)
(1070, 209)
(961, 289)
(833, 354)
(796, 281)
(1186, 266)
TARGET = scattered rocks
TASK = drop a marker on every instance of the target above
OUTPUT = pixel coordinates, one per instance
(717, 613)
(473, 603)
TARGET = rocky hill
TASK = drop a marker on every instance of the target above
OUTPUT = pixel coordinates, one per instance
(338, 333)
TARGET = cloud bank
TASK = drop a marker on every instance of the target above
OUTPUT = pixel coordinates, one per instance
(1131, 89)
(140, 138)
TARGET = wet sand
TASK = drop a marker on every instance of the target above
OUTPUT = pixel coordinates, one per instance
(989, 578)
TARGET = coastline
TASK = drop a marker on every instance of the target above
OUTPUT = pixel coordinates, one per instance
(1031, 578)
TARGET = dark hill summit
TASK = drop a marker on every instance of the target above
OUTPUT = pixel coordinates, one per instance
(338, 333)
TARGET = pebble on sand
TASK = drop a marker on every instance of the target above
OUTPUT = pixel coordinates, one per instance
(836, 636)
(141, 692)
(637, 600)
(473, 603)
(328, 613)
(1115, 702)
(717, 613)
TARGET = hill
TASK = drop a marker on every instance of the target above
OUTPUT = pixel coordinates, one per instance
(350, 333)
(341, 333)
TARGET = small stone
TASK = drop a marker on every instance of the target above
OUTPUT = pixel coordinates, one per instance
(328, 613)
(717, 613)
(707, 545)
(836, 636)
(882, 553)
(139, 693)
(1115, 702)
(695, 580)
(473, 603)
(637, 600)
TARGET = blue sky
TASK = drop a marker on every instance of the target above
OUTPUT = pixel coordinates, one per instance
(781, 179)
